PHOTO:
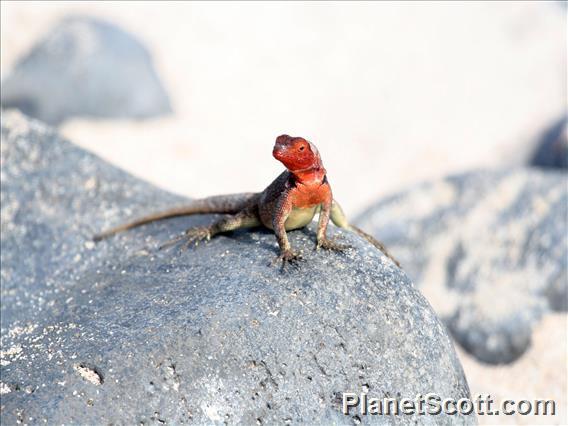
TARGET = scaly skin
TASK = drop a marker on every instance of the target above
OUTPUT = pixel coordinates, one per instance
(289, 202)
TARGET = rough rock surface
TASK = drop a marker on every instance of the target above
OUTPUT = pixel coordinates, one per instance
(488, 249)
(86, 67)
(120, 332)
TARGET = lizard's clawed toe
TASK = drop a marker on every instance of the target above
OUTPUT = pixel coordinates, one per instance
(327, 244)
(288, 257)
(171, 242)
(192, 236)
(196, 235)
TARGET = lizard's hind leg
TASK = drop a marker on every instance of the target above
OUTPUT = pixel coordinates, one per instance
(244, 219)
(339, 219)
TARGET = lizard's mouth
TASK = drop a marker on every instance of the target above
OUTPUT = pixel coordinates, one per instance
(278, 152)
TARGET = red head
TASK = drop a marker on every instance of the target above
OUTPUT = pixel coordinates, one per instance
(299, 156)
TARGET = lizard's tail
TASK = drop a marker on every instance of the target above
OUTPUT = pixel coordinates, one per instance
(228, 204)
(375, 242)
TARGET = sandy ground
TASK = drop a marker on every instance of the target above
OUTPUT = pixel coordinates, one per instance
(539, 374)
(392, 93)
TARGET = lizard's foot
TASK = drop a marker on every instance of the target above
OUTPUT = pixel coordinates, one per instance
(195, 235)
(191, 235)
(327, 244)
(288, 257)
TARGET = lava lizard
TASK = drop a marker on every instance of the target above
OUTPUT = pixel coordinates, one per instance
(290, 202)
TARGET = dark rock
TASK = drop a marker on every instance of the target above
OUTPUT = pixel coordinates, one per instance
(86, 67)
(120, 332)
(489, 250)
(552, 149)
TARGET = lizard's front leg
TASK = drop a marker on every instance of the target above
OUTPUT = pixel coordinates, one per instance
(322, 240)
(280, 214)
(247, 218)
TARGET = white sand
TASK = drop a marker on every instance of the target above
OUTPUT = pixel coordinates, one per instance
(541, 373)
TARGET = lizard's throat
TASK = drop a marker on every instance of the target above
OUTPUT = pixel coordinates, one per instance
(309, 175)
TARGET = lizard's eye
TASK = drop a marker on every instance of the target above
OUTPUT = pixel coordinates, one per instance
(302, 148)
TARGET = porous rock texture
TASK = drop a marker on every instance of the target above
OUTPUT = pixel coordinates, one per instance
(120, 332)
(86, 67)
(489, 249)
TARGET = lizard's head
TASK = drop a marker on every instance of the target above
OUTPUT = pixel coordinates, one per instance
(297, 154)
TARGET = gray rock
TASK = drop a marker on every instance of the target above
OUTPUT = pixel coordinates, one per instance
(488, 248)
(123, 333)
(552, 149)
(86, 67)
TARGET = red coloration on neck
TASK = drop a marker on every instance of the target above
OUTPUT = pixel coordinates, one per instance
(301, 158)
(310, 176)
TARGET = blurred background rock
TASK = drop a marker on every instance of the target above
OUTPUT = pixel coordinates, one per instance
(85, 68)
(191, 97)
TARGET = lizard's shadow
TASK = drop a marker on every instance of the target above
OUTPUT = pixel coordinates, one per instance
(241, 236)
(245, 236)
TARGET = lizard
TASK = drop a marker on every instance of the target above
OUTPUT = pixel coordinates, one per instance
(290, 202)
